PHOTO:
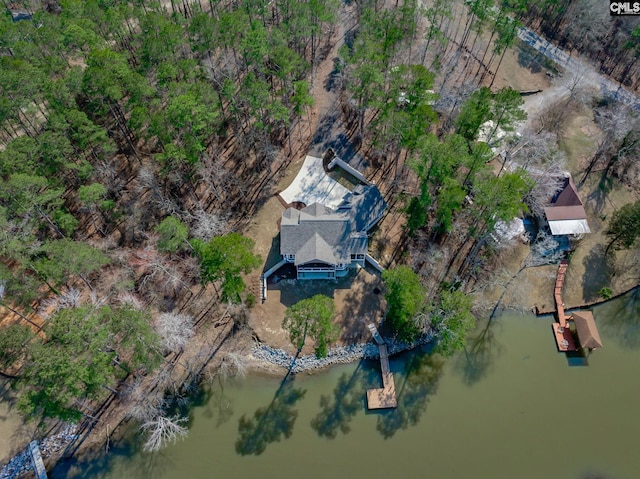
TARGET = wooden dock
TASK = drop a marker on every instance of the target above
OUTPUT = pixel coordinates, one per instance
(385, 397)
(564, 338)
(557, 292)
(561, 330)
(36, 459)
(376, 335)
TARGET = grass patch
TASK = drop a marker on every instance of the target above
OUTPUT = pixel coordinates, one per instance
(580, 140)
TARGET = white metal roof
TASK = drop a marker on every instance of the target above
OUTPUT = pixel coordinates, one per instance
(569, 227)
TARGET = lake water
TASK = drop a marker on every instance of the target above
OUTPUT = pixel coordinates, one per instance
(512, 407)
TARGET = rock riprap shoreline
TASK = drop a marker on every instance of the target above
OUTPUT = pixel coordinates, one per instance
(337, 355)
(21, 463)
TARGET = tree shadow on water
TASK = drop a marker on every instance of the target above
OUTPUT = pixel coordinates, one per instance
(271, 423)
(479, 354)
(414, 390)
(620, 319)
(338, 411)
(215, 403)
(97, 462)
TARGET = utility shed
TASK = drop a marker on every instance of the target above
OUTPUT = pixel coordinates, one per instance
(586, 328)
(566, 214)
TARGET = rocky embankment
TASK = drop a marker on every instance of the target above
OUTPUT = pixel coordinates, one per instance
(337, 355)
(21, 463)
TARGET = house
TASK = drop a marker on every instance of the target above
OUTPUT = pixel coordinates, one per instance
(323, 242)
(565, 214)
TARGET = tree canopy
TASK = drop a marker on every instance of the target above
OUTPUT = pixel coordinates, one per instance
(406, 298)
(624, 227)
(13, 344)
(225, 258)
(77, 359)
(173, 234)
(452, 320)
(312, 317)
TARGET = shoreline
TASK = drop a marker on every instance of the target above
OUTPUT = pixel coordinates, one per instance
(264, 359)
(265, 355)
(21, 463)
(539, 313)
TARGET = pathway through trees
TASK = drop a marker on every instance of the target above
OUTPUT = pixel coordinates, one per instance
(581, 70)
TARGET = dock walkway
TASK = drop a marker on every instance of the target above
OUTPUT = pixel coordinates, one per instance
(36, 459)
(385, 397)
(561, 330)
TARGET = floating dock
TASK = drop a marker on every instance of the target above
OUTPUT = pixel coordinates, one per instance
(385, 397)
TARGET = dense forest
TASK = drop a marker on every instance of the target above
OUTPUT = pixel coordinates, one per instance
(138, 138)
(129, 128)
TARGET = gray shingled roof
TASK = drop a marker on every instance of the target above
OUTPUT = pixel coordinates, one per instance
(315, 233)
(319, 234)
(316, 249)
(316, 240)
(365, 206)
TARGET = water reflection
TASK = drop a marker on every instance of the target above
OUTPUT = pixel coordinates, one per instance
(414, 390)
(271, 423)
(338, 411)
(215, 403)
(621, 319)
(97, 462)
(479, 354)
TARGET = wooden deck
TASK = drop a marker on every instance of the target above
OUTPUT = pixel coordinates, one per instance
(557, 294)
(375, 334)
(384, 397)
(564, 338)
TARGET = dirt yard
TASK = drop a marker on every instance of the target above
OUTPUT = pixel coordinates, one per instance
(357, 298)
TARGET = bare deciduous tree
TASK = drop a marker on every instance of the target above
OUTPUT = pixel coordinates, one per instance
(544, 250)
(69, 299)
(175, 330)
(233, 365)
(547, 184)
(620, 141)
(144, 406)
(207, 225)
(132, 300)
(164, 430)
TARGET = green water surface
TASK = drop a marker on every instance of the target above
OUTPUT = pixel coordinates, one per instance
(511, 407)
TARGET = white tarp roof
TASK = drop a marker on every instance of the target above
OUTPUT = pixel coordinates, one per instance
(312, 185)
(569, 227)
